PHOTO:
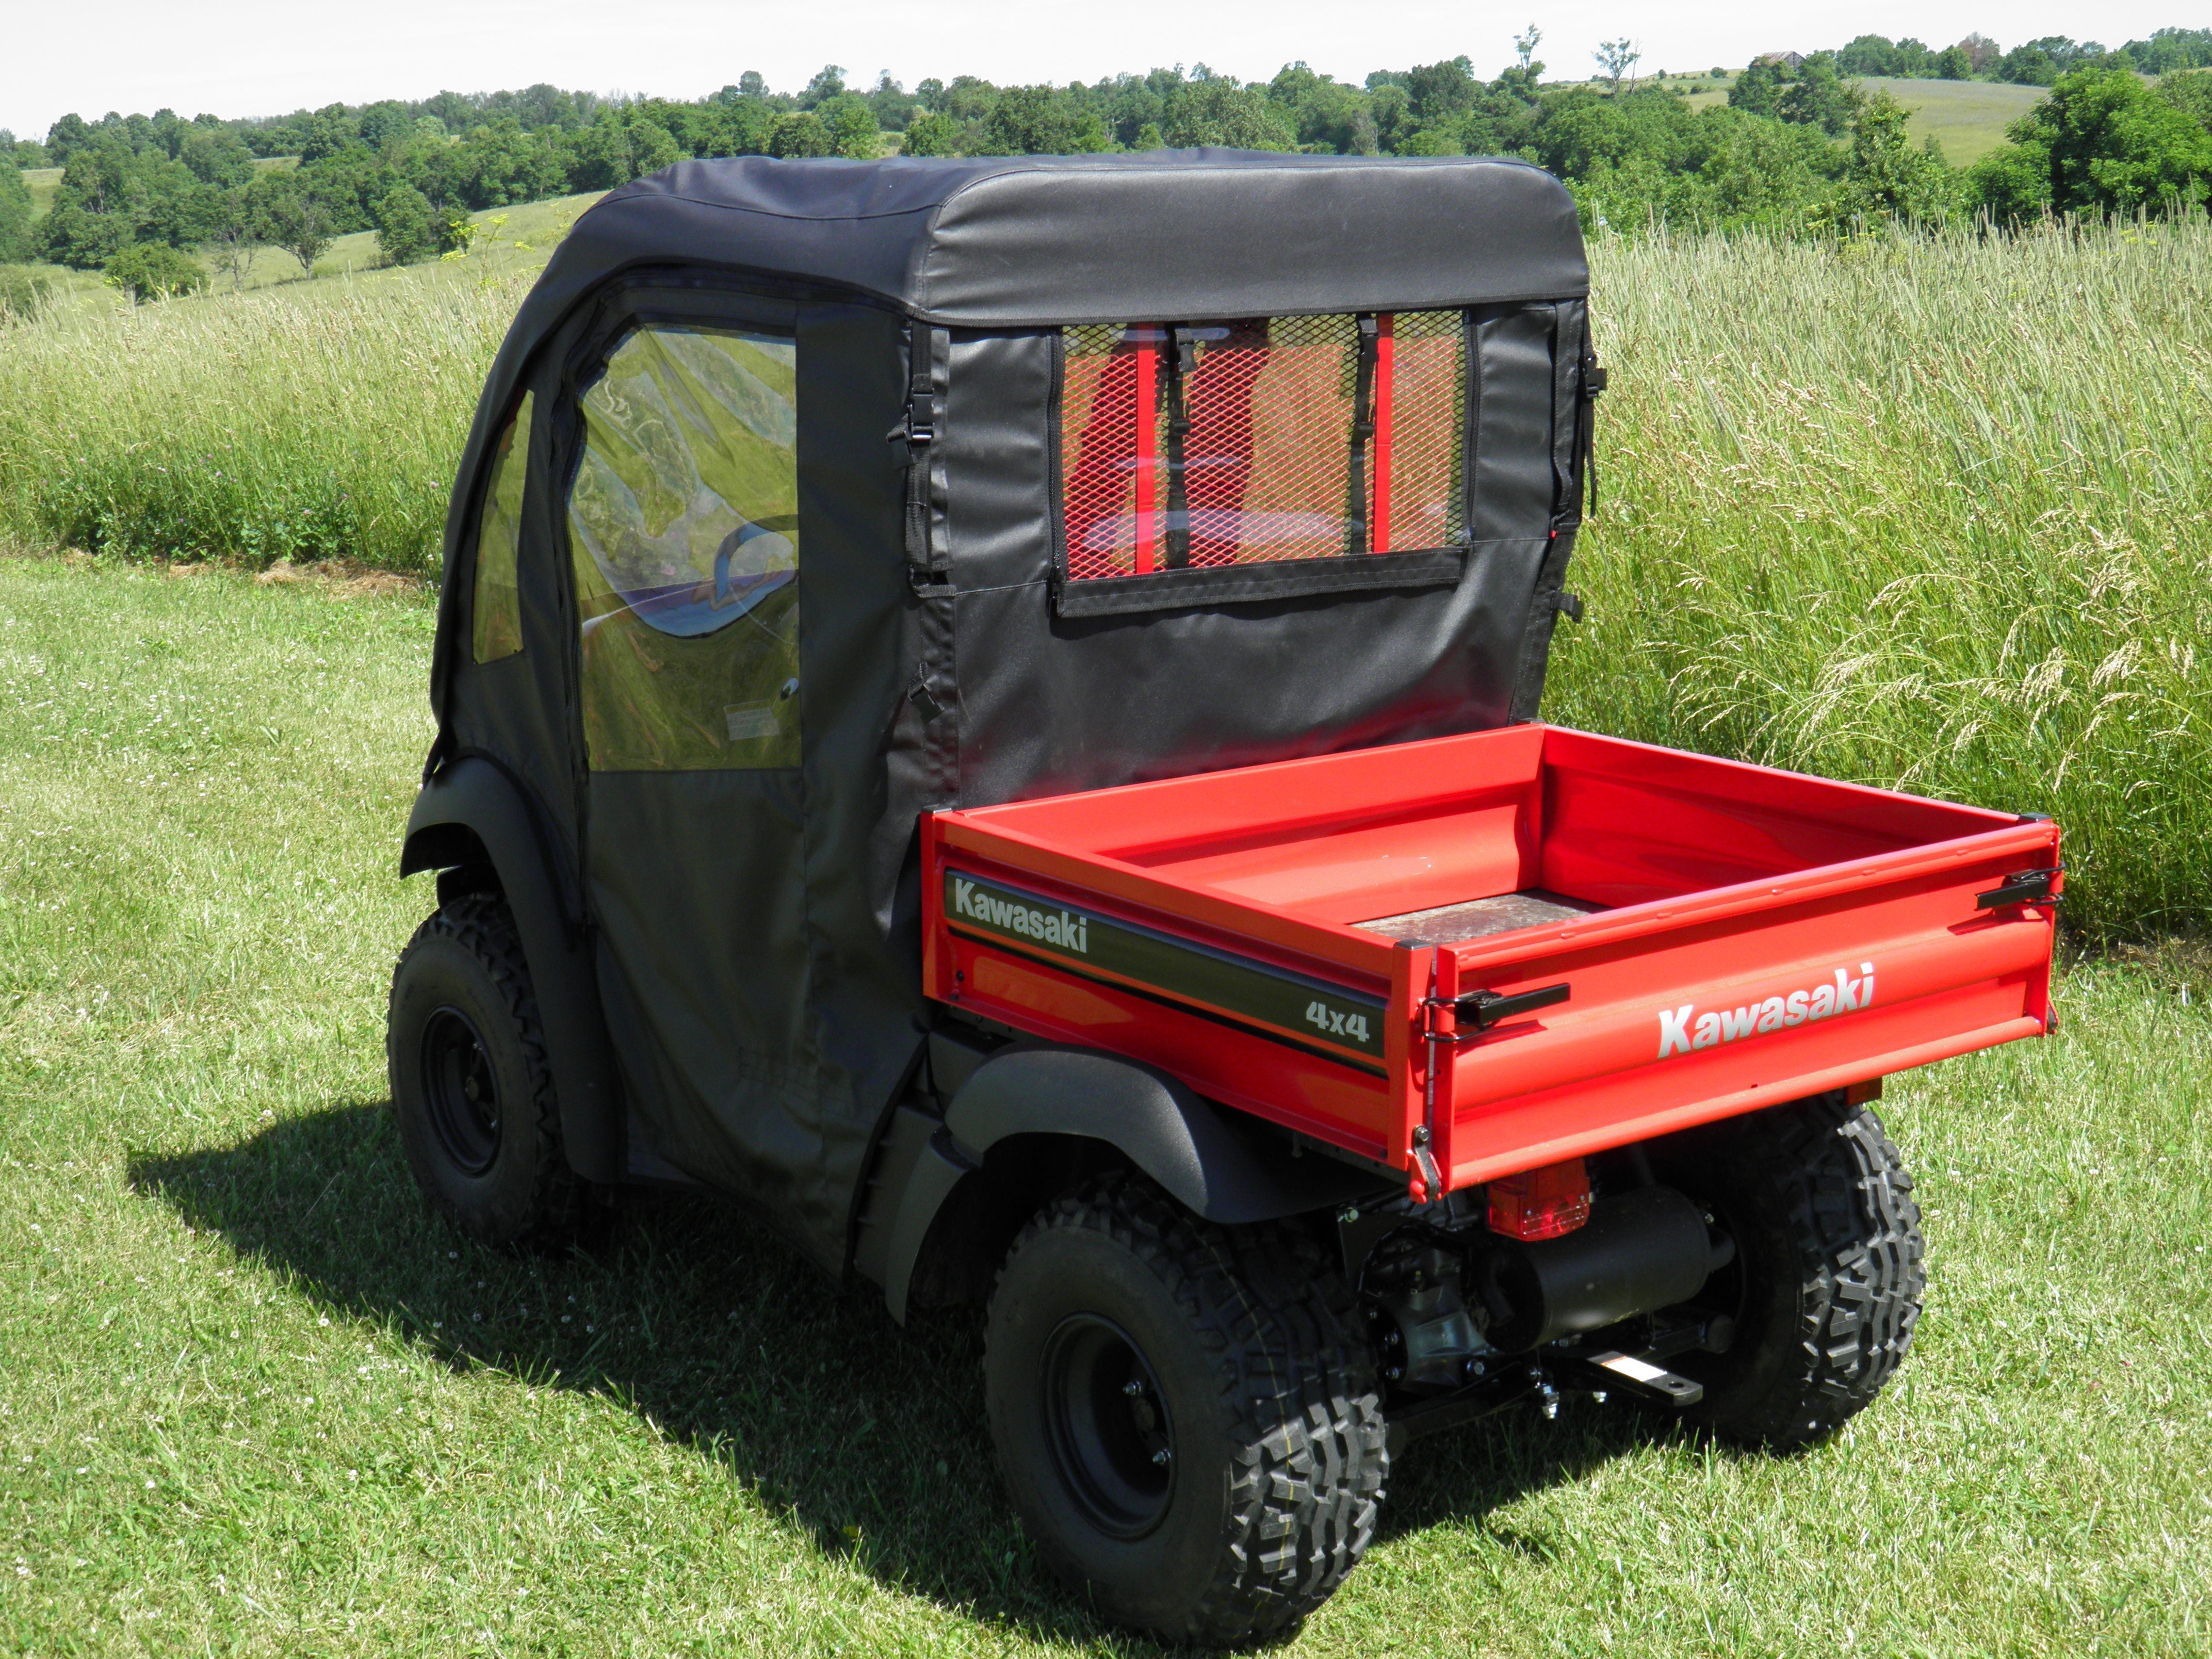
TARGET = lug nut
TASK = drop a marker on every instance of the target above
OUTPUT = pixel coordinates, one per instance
(1163, 1457)
(1132, 1388)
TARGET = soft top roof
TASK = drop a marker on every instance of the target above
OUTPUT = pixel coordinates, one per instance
(1159, 236)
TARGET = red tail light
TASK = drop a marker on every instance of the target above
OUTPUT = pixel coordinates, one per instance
(1541, 1203)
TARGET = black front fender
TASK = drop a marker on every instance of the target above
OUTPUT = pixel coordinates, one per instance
(472, 812)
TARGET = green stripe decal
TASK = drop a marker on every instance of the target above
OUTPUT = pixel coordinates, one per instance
(1322, 1014)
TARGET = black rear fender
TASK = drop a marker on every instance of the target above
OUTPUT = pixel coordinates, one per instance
(1033, 1116)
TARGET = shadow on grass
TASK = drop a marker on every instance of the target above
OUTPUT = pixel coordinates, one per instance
(869, 1438)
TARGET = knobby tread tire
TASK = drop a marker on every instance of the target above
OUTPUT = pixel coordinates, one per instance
(1297, 1386)
(482, 925)
(1830, 1201)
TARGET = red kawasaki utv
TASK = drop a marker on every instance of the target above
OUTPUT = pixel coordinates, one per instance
(988, 710)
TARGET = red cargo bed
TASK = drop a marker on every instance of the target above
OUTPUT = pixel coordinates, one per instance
(1500, 950)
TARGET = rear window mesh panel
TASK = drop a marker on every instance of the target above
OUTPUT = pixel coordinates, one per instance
(1262, 467)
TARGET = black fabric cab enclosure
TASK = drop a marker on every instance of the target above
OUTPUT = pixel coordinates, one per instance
(804, 497)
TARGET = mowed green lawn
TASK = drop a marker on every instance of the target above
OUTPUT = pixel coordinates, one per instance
(251, 1402)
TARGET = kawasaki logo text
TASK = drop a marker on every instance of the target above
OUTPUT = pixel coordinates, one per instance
(1683, 1029)
(1066, 930)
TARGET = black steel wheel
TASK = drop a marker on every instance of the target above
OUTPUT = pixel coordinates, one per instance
(1108, 1426)
(1187, 1421)
(461, 1090)
(470, 1087)
(1826, 1288)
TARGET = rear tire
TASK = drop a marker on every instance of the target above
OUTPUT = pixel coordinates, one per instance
(1826, 1286)
(1188, 1425)
(471, 1088)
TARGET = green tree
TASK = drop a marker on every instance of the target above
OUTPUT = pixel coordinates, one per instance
(853, 131)
(216, 156)
(1887, 178)
(153, 271)
(406, 228)
(1440, 92)
(892, 105)
(2189, 94)
(2012, 183)
(2028, 66)
(800, 132)
(1819, 97)
(1616, 58)
(829, 82)
(1758, 90)
(652, 147)
(932, 134)
(1041, 121)
(1220, 112)
(328, 132)
(2112, 145)
(499, 164)
(287, 214)
(1951, 64)
(17, 240)
(237, 236)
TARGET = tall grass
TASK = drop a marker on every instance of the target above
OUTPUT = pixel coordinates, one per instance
(1924, 513)
(320, 420)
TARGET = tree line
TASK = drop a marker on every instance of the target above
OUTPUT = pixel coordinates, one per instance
(2030, 63)
(1795, 145)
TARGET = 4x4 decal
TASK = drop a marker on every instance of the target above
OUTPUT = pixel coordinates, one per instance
(1327, 1018)
(1683, 1030)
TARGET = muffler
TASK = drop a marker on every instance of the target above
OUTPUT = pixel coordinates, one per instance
(1639, 1251)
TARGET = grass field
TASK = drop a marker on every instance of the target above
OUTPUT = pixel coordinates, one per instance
(43, 182)
(1967, 118)
(251, 1402)
(509, 242)
(1928, 513)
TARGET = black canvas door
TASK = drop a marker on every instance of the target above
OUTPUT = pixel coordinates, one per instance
(685, 545)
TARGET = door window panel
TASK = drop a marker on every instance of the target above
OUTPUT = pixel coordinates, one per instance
(495, 609)
(684, 522)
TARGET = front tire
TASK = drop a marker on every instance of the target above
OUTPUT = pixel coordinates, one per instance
(1186, 1424)
(470, 1087)
(1829, 1272)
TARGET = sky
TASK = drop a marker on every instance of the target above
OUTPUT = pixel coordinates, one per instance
(247, 58)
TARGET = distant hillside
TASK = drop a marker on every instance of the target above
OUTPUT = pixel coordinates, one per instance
(1967, 118)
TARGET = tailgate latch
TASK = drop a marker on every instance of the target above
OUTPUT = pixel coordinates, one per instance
(2022, 887)
(1478, 1011)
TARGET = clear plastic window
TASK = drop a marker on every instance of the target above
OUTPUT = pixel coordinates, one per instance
(495, 610)
(685, 522)
(1259, 439)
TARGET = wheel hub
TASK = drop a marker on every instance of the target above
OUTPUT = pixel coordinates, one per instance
(461, 1091)
(1112, 1439)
